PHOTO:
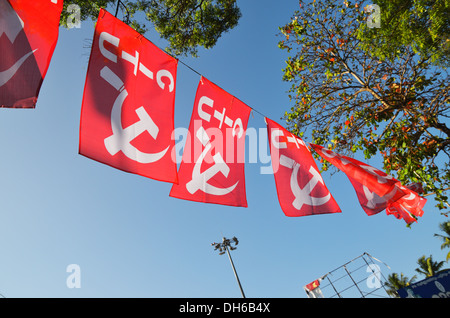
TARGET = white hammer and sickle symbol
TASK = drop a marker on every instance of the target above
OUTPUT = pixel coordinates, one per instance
(302, 195)
(11, 25)
(121, 138)
(200, 179)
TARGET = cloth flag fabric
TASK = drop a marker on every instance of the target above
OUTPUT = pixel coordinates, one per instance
(212, 165)
(28, 36)
(127, 116)
(376, 190)
(300, 187)
(408, 207)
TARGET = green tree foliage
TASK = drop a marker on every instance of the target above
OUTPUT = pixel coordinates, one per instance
(428, 267)
(396, 282)
(185, 24)
(445, 227)
(424, 25)
(351, 100)
(89, 9)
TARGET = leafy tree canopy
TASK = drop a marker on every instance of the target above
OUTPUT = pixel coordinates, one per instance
(351, 93)
(428, 267)
(445, 227)
(185, 24)
(396, 282)
(424, 25)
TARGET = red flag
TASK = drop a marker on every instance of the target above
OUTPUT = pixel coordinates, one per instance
(376, 191)
(410, 206)
(212, 166)
(313, 285)
(313, 289)
(127, 116)
(28, 36)
(300, 187)
(374, 179)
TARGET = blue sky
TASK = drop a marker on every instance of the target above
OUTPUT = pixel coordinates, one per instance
(130, 239)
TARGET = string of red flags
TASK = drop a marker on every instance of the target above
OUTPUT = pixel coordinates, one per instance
(127, 121)
(212, 165)
(126, 70)
(28, 35)
(300, 187)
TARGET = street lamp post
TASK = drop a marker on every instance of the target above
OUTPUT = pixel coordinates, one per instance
(224, 248)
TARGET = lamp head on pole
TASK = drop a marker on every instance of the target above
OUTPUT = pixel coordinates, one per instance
(225, 243)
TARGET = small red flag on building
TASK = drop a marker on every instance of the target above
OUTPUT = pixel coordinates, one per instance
(212, 165)
(313, 290)
(313, 285)
(28, 36)
(300, 186)
(127, 116)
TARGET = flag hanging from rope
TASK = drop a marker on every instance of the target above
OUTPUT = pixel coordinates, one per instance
(127, 116)
(300, 186)
(376, 190)
(212, 165)
(28, 35)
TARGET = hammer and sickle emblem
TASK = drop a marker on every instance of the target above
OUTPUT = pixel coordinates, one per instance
(303, 196)
(11, 25)
(121, 138)
(374, 200)
(200, 179)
